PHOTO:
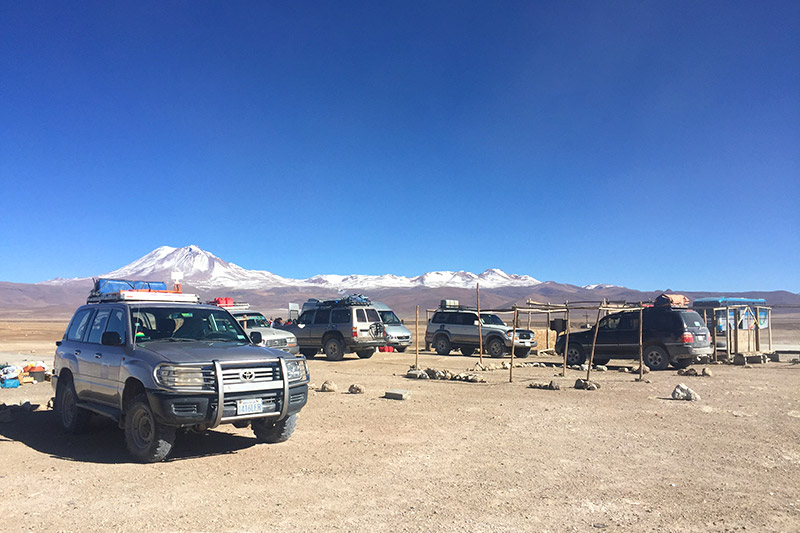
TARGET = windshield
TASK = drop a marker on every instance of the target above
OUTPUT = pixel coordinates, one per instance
(389, 317)
(184, 323)
(492, 320)
(252, 320)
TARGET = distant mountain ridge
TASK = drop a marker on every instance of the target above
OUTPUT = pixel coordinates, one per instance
(206, 271)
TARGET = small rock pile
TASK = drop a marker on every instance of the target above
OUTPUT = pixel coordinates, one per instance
(445, 375)
(355, 388)
(328, 386)
(692, 372)
(487, 367)
(586, 384)
(682, 392)
(546, 386)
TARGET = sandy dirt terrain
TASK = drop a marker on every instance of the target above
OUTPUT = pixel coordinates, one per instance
(494, 456)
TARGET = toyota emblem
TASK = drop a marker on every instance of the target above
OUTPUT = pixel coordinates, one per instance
(247, 375)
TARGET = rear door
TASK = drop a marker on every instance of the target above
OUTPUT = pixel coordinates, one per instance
(608, 343)
(627, 334)
(72, 350)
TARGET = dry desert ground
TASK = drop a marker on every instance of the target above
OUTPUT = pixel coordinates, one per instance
(493, 456)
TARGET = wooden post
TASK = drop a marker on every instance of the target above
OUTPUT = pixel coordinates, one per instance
(529, 320)
(728, 336)
(480, 329)
(566, 347)
(641, 344)
(513, 338)
(594, 342)
(736, 328)
(416, 339)
(547, 329)
(714, 333)
(758, 329)
(769, 325)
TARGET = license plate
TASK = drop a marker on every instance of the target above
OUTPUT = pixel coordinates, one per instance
(249, 407)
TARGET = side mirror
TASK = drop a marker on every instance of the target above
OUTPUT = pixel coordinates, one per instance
(111, 338)
(475, 323)
(58, 343)
(255, 337)
(403, 321)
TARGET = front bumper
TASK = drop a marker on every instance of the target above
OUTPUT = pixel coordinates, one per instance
(195, 409)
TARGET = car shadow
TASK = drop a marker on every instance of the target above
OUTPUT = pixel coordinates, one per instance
(104, 443)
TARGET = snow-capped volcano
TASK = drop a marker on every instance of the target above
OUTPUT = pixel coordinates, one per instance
(204, 270)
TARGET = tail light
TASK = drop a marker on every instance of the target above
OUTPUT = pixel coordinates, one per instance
(355, 331)
(687, 338)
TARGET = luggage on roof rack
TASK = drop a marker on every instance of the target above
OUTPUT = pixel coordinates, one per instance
(118, 290)
(672, 300)
(347, 301)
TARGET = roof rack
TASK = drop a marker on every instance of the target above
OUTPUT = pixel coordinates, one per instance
(228, 303)
(122, 290)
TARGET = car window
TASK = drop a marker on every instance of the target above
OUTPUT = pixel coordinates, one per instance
(611, 322)
(629, 321)
(116, 322)
(340, 316)
(372, 315)
(79, 324)
(692, 319)
(99, 325)
(438, 318)
(361, 316)
(468, 319)
(306, 318)
(494, 320)
(323, 315)
(389, 317)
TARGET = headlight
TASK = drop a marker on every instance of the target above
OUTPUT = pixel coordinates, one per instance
(180, 377)
(296, 369)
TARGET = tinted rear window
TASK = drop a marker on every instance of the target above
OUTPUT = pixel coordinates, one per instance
(692, 319)
(322, 316)
(372, 315)
(340, 316)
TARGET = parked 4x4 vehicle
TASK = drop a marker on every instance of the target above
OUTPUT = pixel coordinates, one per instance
(454, 327)
(397, 334)
(250, 320)
(156, 360)
(350, 324)
(670, 335)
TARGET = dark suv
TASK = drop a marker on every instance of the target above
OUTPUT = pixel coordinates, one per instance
(670, 335)
(350, 324)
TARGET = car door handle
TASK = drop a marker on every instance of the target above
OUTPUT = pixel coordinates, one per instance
(98, 355)
(77, 352)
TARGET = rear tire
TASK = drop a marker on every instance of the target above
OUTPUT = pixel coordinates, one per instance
(274, 432)
(466, 350)
(655, 357)
(147, 439)
(72, 418)
(496, 348)
(365, 354)
(601, 360)
(442, 345)
(575, 355)
(334, 349)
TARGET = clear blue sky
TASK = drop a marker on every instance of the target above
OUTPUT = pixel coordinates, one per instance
(645, 143)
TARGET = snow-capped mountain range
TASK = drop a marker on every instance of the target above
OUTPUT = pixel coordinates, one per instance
(206, 271)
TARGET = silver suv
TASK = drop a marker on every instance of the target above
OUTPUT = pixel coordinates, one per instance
(279, 339)
(156, 360)
(454, 327)
(350, 324)
(397, 334)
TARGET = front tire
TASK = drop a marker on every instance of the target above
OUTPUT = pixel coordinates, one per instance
(575, 355)
(400, 349)
(274, 432)
(334, 349)
(522, 353)
(72, 418)
(309, 353)
(442, 345)
(655, 357)
(365, 354)
(147, 439)
(496, 348)
(601, 361)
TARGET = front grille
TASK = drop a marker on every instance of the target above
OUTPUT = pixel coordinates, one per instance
(404, 337)
(275, 343)
(524, 335)
(264, 376)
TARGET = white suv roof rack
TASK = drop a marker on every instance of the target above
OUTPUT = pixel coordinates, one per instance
(144, 296)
